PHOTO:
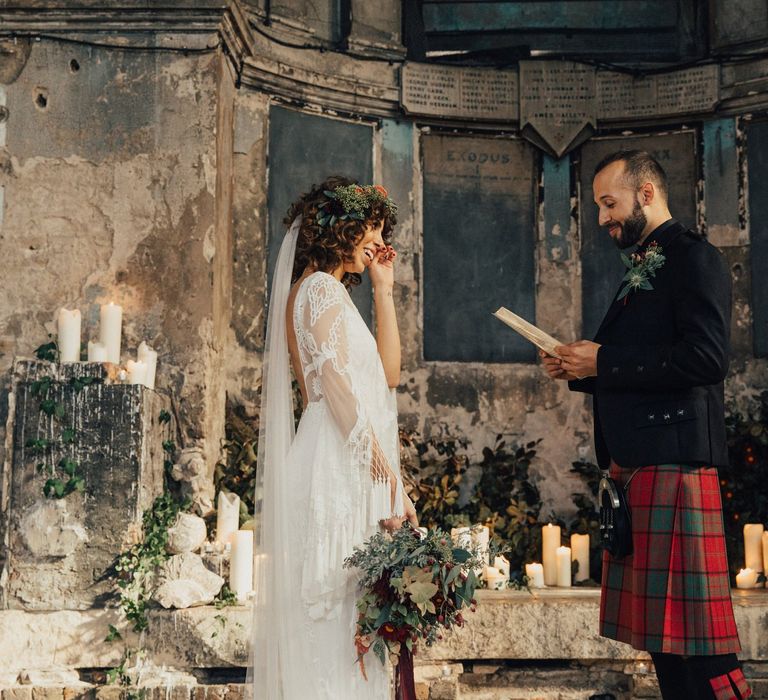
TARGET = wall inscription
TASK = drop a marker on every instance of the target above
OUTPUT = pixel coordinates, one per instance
(468, 93)
(686, 91)
(557, 101)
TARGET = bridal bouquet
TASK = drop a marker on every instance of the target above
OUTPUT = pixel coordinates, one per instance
(413, 586)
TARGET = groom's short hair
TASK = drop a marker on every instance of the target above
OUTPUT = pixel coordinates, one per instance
(639, 168)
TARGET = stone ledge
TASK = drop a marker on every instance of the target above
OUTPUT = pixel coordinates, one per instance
(550, 624)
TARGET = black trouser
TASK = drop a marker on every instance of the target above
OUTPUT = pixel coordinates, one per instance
(688, 677)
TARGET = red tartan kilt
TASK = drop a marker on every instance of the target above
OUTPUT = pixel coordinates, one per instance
(673, 594)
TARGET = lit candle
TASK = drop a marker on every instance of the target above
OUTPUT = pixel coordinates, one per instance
(753, 550)
(137, 372)
(481, 539)
(502, 564)
(97, 352)
(765, 553)
(535, 574)
(494, 579)
(227, 516)
(580, 553)
(110, 330)
(746, 578)
(563, 555)
(550, 539)
(149, 357)
(68, 324)
(241, 565)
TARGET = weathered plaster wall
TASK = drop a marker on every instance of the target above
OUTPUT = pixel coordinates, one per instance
(110, 180)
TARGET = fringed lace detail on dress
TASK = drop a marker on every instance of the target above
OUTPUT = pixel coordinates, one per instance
(360, 485)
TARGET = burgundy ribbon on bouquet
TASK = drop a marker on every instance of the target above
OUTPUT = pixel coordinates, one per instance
(404, 685)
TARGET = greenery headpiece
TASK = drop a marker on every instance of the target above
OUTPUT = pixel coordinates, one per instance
(352, 202)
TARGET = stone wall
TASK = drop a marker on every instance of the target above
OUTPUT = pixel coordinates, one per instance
(110, 177)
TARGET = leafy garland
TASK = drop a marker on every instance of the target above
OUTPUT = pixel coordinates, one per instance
(352, 202)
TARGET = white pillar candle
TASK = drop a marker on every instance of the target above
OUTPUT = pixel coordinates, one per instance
(746, 578)
(137, 372)
(580, 553)
(149, 357)
(462, 537)
(111, 329)
(97, 352)
(481, 541)
(765, 553)
(68, 326)
(227, 516)
(502, 564)
(241, 565)
(494, 579)
(535, 574)
(753, 548)
(550, 540)
(563, 555)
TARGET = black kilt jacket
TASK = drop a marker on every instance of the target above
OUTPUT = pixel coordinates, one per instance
(658, 393)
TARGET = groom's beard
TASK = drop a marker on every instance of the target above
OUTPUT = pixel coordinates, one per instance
(632, 229)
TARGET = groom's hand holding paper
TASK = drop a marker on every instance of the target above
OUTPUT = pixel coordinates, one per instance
(579, 359)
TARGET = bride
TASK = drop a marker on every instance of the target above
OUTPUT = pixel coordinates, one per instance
(329, 487)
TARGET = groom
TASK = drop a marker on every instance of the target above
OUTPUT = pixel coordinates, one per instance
(655, 371)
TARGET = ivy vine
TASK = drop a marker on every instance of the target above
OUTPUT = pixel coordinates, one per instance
(64, 476)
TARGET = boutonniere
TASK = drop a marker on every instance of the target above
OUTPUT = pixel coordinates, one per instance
(640, 268)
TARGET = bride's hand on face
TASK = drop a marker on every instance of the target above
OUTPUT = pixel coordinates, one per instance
(382, 267)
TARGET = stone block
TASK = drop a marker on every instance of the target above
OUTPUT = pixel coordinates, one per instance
(110, 692)
(19, 693)
(444, 690)
(79, 694)
(60, 549)
(47, 693)
(645, 686)
(422, 691)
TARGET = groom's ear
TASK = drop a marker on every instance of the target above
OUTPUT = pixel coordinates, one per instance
(647, 194)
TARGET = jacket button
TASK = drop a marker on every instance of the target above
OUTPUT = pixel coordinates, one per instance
(615, 370)
(651, 416)
(680, 411)
(640, 368)
(667, 416)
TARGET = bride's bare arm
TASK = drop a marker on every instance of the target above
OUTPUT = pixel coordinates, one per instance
(387, 333)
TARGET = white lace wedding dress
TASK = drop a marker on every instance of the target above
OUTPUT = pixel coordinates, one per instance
(336, 474)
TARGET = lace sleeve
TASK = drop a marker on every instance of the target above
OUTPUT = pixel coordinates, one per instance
(327, 343)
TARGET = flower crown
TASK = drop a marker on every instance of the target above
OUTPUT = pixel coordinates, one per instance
(352, 202)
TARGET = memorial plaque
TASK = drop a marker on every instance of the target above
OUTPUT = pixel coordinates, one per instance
(692, 90)
(601, 267)
(557, 101)
(466, 93)
(479, 246)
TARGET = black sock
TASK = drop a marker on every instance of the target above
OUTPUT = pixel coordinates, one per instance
(702, 670)
(671, 670)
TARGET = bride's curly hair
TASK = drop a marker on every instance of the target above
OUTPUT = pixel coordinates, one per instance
(326, 247)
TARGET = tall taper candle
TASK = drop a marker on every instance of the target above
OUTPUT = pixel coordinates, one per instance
(111, 330)
(580, 553)
(68, 325)
(753, 549)
(550, 541)
(241, 565)
(563, 566)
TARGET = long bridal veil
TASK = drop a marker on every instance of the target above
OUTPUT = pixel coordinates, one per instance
(272, 505)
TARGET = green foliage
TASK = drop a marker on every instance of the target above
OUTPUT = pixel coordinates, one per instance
(505, 498)
(743, 481)
(48, 352)
(113, 635)
(79, 383)
(433, 471)
(164, 417)
(225, 598)
(136, 567)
